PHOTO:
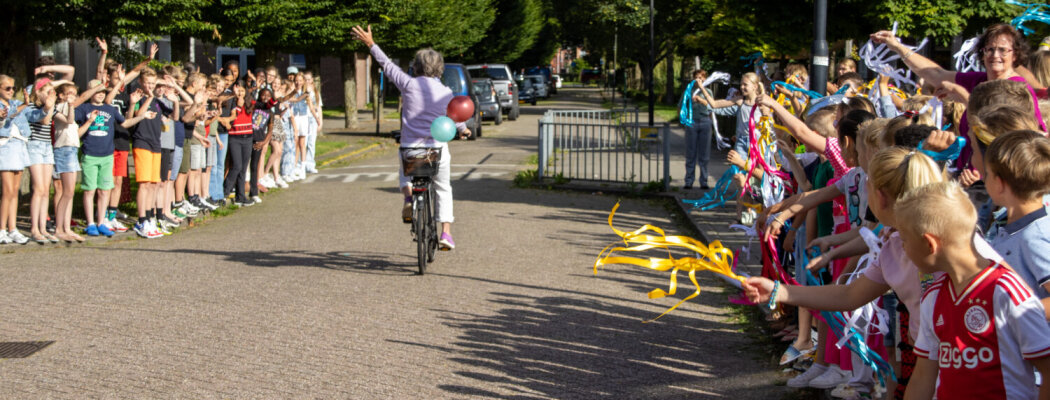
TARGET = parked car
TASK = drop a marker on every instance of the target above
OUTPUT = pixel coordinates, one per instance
(557, 81)
(457, 78)
(506, 89)
(527, 93)
(487, 96)
(591, 75)
(547, 80)
(540, 84)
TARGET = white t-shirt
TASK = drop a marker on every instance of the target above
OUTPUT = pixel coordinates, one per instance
(65, 134)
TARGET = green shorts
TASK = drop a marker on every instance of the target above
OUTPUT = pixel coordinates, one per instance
(98, 173)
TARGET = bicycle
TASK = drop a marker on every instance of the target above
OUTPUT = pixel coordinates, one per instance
(421, 163)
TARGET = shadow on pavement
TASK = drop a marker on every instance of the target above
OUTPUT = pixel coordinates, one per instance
(570, 347)
(365, 262)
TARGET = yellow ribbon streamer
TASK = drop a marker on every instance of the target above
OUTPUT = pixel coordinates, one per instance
(713, 257)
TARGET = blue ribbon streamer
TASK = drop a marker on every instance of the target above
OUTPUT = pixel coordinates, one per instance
(755, 58)
(1033, 12)
(951, 153)
(685, 113)
(837, 324)
(717, 196)
(793, 88)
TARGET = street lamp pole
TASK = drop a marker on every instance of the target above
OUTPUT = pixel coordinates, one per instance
(652, 58)
(818, 69)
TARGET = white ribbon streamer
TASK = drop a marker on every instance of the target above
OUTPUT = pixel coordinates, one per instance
(878, 59)
(966, 59)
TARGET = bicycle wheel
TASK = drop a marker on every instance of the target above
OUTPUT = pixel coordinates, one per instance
(420, 225)
(432, 240)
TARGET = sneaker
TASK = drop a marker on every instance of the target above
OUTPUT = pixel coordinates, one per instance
(803, 379)
(406, 212)
(4, 239)
(207, 204)
(245, 203)
(256, 199)
(267, 181)
(104, 230)
(446, 243)
(290, 178)
(830, 378)
(92, 230)
(312, 170)
(281, 183)
(142, 229)
(167, 223)
(50, 226)
(179, 214)
(17, 237)
(159, 229)
(117, 226)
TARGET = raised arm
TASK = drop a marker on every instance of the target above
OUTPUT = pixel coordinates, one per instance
(813, 140)
(100, 71)
(62, 72)
(922, 66)
(393, 72)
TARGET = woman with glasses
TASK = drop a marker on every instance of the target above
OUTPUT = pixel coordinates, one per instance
(1003, 52)
(14, 156)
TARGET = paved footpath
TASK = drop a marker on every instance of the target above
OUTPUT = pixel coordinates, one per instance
(313, 294)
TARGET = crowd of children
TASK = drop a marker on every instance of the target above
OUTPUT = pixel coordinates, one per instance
(921, 217)
(192, 142)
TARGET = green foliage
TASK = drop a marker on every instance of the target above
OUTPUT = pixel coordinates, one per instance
(516, 26)
(942, 19)
(526, 178)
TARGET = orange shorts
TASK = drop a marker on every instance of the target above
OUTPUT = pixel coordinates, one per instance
(147, 166)
(120, 163)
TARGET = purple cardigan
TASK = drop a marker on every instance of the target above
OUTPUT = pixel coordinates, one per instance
(423, 99)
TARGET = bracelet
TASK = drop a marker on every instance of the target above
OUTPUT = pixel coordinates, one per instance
(1047, 44)
(908, 55)
(772, 304)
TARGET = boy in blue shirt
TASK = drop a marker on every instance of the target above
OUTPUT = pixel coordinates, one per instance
(98, 146)
(1017, 175)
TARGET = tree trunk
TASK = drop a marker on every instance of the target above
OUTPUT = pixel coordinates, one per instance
(669, 85)
(180, 47)
(349, 64)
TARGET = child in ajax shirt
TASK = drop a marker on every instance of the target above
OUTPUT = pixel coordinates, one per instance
(981, 329)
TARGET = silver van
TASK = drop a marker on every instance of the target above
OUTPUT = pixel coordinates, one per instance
(506, 88)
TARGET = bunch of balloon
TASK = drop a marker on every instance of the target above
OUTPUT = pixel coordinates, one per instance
(460, 109)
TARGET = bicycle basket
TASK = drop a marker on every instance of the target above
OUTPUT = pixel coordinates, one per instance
(420, 161)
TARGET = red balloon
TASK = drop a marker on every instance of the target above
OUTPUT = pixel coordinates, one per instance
(460, 109)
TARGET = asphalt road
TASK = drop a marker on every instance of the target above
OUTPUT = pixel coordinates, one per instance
(313, 294)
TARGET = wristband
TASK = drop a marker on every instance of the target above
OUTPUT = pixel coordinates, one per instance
(772, 304)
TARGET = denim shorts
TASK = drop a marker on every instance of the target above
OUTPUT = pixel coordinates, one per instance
(41, 152)
(66, 159)
(13, 155)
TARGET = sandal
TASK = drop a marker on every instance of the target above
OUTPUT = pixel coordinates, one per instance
(51, 238)
(792, 354)
(41, 239)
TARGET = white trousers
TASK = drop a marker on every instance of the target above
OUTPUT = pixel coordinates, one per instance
(442, 185)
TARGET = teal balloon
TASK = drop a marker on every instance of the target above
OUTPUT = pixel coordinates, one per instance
(443, 129)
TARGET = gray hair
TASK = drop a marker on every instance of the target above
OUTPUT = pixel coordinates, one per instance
(428, 62)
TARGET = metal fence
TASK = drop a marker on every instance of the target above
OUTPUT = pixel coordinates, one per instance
(603, 146)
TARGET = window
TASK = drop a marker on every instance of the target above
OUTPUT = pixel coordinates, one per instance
(297, 60)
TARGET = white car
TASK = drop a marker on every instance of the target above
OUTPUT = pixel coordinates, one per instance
(557, 81)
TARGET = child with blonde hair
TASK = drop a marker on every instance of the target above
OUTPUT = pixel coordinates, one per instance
(981, 330)
(892, 172)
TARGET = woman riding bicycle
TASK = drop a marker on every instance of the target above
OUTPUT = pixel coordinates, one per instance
(423, 99)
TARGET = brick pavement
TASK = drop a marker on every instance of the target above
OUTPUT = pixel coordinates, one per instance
(313, 294)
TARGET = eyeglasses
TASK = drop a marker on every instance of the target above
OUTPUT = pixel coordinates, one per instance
(8, 88)
(994, 50)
